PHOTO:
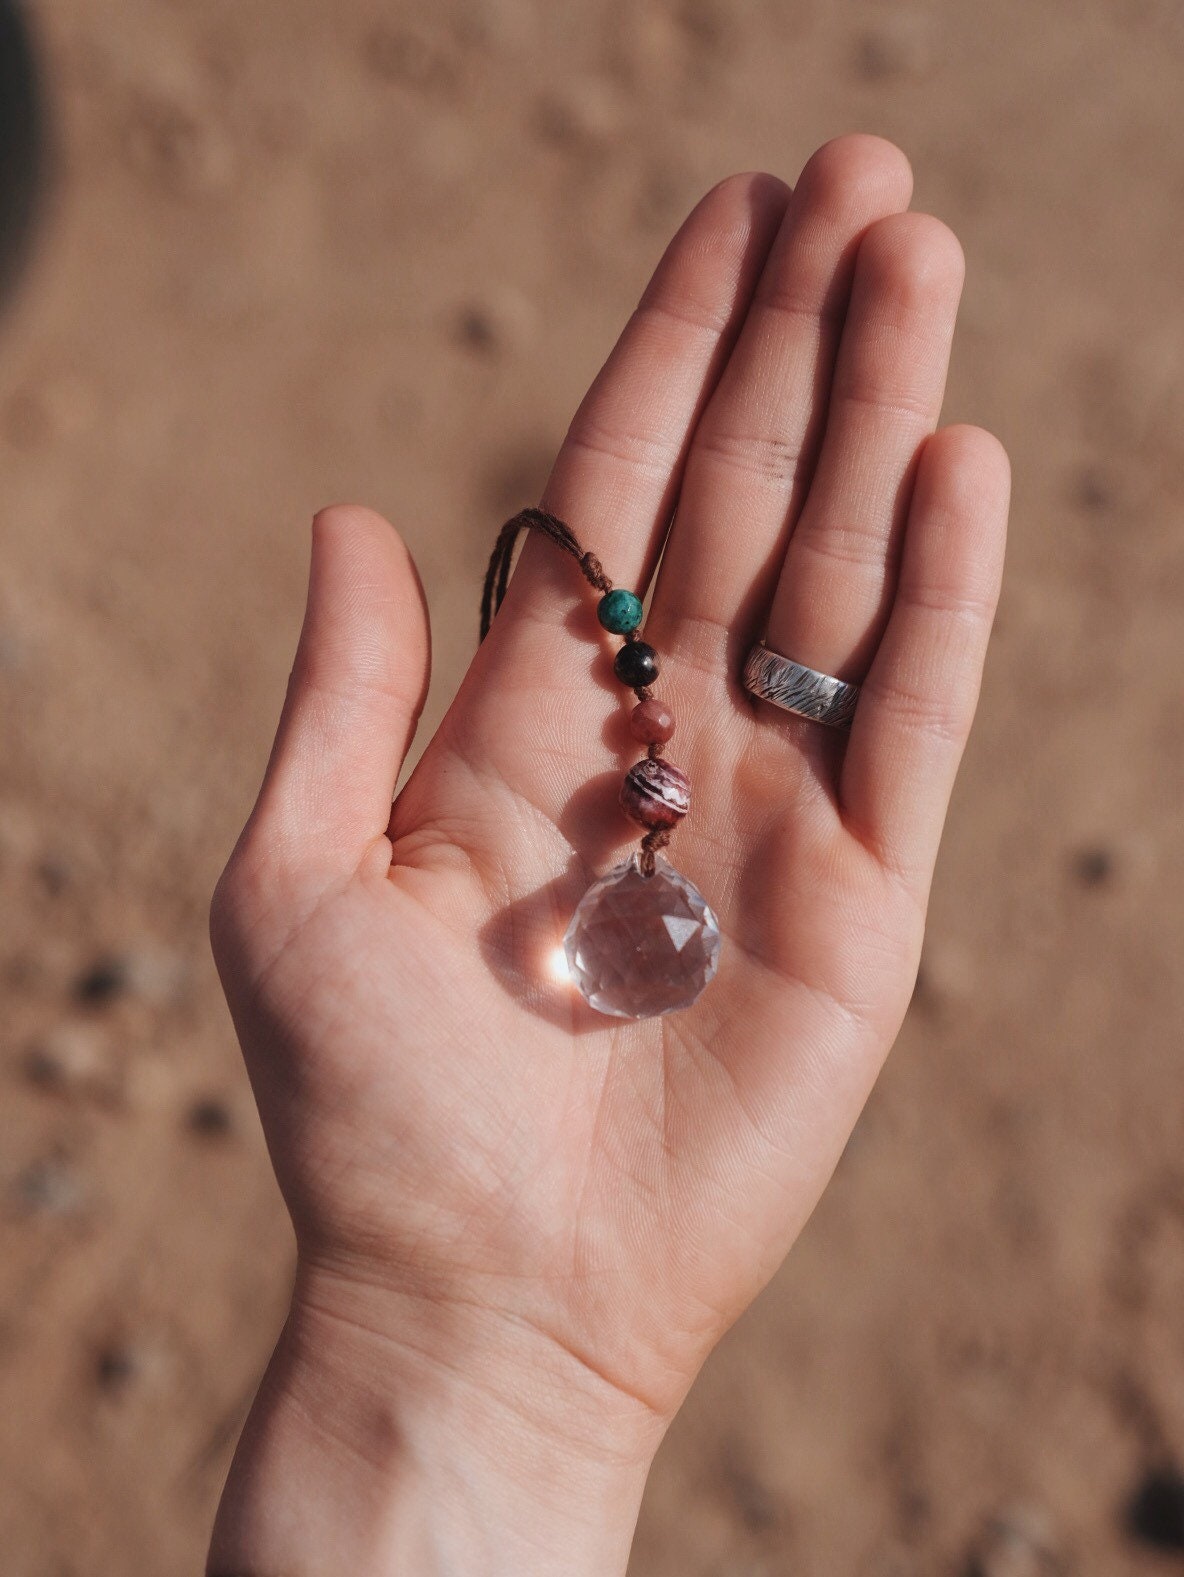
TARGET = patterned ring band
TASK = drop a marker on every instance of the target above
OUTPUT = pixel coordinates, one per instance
(799, 689)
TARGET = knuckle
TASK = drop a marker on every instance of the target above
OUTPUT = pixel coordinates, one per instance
(763, 455)
(681, 313)
(798, 303)
(937, 717)
(975, 604)
(821, 545)
(640, 451)
(892, 399)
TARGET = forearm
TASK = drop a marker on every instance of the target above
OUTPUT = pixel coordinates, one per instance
(362, 1456)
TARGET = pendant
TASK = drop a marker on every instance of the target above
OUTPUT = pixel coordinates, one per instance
(639, 946)
(643, 940)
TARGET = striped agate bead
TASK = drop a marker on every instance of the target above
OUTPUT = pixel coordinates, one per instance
(656, 794)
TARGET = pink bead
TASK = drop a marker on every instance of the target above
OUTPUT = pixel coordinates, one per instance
(651, 722)
(656, 794)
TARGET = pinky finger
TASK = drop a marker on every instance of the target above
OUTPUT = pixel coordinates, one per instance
(919, 698)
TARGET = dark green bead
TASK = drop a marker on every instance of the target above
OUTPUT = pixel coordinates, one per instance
(636, 665)
(619, 611)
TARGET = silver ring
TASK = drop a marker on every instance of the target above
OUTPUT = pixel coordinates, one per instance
(796, 688)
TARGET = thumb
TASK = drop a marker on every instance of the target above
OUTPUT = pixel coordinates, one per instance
(356, 691)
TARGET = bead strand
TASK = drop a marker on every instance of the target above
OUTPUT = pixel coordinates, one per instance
(656, 794)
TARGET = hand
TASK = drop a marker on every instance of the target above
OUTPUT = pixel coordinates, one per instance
(521, 1226)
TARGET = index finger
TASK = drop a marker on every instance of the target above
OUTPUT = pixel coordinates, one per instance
(617, 476)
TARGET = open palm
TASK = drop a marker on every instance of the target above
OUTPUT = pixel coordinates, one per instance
(452, 1126)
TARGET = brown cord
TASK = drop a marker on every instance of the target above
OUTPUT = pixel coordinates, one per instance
(497, 576)
(650, 844)
(497, 579)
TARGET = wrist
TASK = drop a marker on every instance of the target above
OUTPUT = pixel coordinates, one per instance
(442, 1441)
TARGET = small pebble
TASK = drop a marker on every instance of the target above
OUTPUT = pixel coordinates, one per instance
(1093, 867)
(115, 1366)
(899, 46)
(417, 60)
(651, 723)
(1015, 1544)
(72, 1060)
(580, 118)
(754, 1502)
(155, 974)
(106, 979)
(53, 875)
(209, 1117)
(492, 325)
(1155, 1514)
(1091, 491)
(476, 329)
(48, 1187)
(171, 145)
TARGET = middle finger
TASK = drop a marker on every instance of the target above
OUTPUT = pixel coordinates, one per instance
(754, 447)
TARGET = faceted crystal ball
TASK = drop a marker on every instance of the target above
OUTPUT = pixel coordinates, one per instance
(638, 946)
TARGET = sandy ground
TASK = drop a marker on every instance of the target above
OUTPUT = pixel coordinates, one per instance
(298, 252)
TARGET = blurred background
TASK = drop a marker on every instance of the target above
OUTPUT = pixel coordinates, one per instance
(289, 252)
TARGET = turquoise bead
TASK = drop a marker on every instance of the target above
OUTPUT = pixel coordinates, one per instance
(619, 611)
